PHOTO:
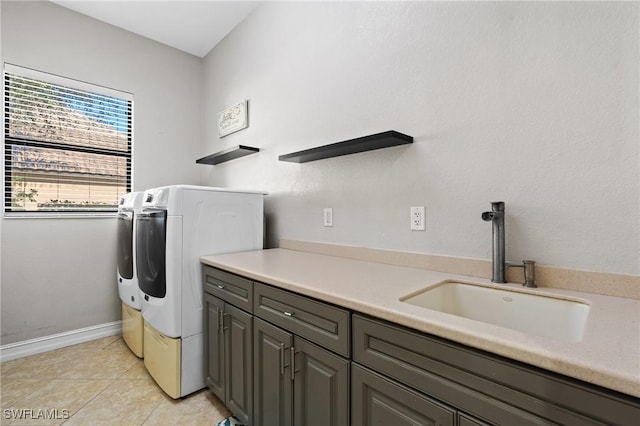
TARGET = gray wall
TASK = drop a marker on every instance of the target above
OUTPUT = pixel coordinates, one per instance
(59, 274)
(534, 104)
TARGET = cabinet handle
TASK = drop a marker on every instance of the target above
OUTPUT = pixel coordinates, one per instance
(219, 313)
(293, 363)
(281, 359)
(288, 314)
(224, 316)
(221, 287)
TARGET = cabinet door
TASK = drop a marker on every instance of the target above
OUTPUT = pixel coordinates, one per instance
(321, 386)
(214, 345)
(238, 327)
(272, 375)
(465, 420)
(381, 402)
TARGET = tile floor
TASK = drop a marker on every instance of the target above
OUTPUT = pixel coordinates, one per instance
(95, 383)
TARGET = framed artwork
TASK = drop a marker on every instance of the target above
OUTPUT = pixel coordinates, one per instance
(233, 118)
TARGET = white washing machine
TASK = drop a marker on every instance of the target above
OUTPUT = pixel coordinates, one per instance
(177, 225)
(132, 325)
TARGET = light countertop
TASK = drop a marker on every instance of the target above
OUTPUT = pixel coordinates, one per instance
(608, 355)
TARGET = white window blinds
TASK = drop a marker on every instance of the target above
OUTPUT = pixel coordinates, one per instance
(67, 144)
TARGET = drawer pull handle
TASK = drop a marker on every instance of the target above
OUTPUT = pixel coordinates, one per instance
(221, 287)
(288, 314)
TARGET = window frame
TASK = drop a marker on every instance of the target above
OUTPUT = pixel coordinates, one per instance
(11, 141)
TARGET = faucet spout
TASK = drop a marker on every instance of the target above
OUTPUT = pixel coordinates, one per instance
(496, 217)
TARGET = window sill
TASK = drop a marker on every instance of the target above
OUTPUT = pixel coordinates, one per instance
(48, 215)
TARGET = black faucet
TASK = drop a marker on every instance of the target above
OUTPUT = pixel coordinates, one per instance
(499, 264)
(496, 216)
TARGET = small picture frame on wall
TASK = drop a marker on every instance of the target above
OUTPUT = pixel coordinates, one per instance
(233, 118)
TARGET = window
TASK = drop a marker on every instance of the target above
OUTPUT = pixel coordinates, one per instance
(67, 144)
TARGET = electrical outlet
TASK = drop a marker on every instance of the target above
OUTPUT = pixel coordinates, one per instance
(328, 216)
(417, 218)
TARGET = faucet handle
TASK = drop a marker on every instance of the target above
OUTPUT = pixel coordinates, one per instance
(529, 273)
(528, 266)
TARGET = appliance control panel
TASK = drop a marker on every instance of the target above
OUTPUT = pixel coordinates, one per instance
(157, 197)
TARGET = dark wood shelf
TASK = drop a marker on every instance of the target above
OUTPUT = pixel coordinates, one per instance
(366, 143)
(228, 154)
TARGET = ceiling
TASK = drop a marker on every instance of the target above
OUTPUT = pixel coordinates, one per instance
(191, 26)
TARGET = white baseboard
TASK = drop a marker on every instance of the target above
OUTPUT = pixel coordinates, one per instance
(56, 341)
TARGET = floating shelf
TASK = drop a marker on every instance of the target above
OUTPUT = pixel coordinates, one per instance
(228, 154)
(366, 143)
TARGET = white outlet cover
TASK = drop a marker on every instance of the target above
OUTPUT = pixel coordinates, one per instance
(417, 218)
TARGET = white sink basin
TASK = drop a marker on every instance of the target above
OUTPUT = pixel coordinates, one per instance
(537, 314)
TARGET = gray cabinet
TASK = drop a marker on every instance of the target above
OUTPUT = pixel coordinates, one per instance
(237, 326)
(273, 384)
(465, 420)
(321, 323)
(297, 382)
(228, 334)
(280, 358)
(214, 345)
(377, 400)
(321, 386)
(483, 388)
(229, 287)
(228, 355)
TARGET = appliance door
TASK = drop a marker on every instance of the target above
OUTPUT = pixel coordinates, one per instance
(125, 244)
(151, 227)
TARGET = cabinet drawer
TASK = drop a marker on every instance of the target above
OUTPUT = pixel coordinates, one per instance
(162, 358)
(423, 363)
(316, 321)
(228, 287)
(490, 388)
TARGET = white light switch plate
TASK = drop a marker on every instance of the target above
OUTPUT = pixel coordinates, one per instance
(328, 216)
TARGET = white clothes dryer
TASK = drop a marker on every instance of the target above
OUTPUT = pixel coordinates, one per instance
(129, 207)
(177, 225)
(127, 277)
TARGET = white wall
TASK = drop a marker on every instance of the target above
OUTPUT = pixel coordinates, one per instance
(535, 104)
(59, 274)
